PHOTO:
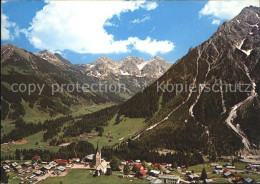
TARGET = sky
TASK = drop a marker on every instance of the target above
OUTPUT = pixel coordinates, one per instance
(83, 31)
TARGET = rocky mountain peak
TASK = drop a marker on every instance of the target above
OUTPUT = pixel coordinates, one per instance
(56, 58)
(7, 50)
(157, 59)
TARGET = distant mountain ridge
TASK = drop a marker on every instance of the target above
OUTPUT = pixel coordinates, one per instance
(105, 67)
(45, 68)
(133, 66)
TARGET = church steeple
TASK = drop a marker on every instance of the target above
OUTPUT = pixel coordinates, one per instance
(98, 148)
(98, 155)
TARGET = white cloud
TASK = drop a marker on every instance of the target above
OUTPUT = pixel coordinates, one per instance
(6, 25)
(225, 10)
(152, 47)
(137, 21)
(216, 21)
(150, 6)
(110, 24)
(79, 26)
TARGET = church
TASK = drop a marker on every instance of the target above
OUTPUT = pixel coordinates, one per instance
(100, 164)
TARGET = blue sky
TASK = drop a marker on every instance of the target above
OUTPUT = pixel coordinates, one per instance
(84, 31)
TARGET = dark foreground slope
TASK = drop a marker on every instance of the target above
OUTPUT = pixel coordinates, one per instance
(222, 121)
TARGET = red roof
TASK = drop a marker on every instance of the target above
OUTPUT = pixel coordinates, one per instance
(36, 157)
(164, 164)
(156, 164)
(143, 172)
(138, 165)
(61, 162)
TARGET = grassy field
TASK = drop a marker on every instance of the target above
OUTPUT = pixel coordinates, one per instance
(87, 109)
(33, 142)
(121, 131)
(80, 176)
(7, 127)
(198, 168)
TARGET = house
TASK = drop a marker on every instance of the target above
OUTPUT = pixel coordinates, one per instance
(154, 173)
(38, 172)
(238, 179)
(156, 181)
(178, 169)
(89, 158)
(213, 165)
(208, 181)
(231, 167)
(149, 178)
(36, 158)
(74, 160)
(14, 164)
(254, 167)
(123, 163)
(46, 168)
(26, 164)
(188, 173)
(249, 181)
(62, 169)
(36, 165)
(192, 177)
(139, 166)
(6, 167)
(156, 164)
(166, 172)
(169, 165)
(218, 172)
(61, 162)
(52, 163)
(172, 179)
(218, 167)
(6, 162)
(228, 175)
(141, 174)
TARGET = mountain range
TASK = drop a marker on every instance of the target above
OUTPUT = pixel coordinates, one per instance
(45, 68)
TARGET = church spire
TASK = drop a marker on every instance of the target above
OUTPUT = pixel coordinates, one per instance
(98, 155)
(98, 148)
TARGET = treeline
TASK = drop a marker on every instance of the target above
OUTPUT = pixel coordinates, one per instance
(53, 127)
(91, 121)
(28, 154)
(123, 151)
(131, 151)
(142, 105)
(76, 149)
(23, 129)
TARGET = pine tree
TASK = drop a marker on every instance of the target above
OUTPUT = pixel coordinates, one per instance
(17, 154)
(126, 169)
(203, 174)
(135, 169)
